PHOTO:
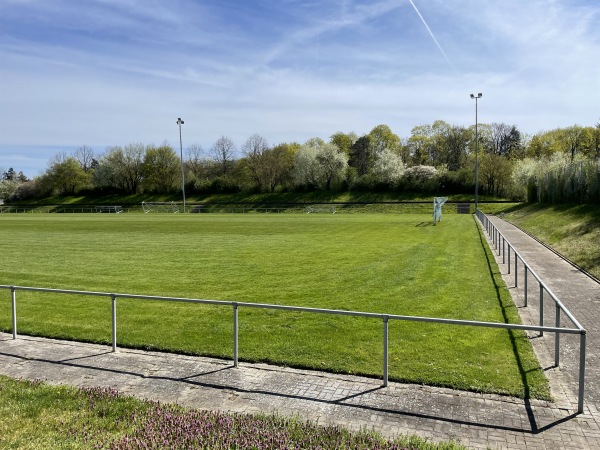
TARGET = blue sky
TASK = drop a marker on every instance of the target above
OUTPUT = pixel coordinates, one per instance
(113, 72)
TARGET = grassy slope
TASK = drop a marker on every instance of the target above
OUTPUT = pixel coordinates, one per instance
(277, 198)
(572, 230)
(396, 264)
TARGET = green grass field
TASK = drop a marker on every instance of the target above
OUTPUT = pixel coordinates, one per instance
(392, 263)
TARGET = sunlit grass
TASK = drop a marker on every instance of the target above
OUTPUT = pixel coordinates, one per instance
(35, 415)
(572, 230)
(393, 264)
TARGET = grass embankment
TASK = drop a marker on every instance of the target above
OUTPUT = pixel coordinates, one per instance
(572, 230)
(393, 264)
(346, 202)
(266, 198)
(35, 415)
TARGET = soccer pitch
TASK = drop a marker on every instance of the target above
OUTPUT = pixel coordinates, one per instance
(382, 263)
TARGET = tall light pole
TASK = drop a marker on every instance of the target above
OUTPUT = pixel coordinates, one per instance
(180, 122)
(476, 97)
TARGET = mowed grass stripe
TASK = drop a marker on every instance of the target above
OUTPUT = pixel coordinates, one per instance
(395, 264)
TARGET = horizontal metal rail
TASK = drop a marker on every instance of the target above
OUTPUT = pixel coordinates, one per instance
(237, 305)
(339, 312)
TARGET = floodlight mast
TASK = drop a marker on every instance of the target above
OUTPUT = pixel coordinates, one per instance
(181, 122)
(476, 97)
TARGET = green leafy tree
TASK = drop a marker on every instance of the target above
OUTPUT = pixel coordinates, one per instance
(572, 140)
(418, 144)
(315, 142)
(382, 137)
(121, 168)
(66, 177)
(594, 149)
(361, 155)
(495, 173)
(161, 169)
(276, 167)
(453, 144)
(427, 143)
(343, 141)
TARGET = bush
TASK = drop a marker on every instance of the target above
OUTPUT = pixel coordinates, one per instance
(421, 179)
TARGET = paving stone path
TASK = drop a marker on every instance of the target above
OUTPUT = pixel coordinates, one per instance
(474, 420)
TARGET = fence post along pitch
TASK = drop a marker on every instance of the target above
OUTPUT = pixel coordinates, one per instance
(385, 350)
(525, 283)
(13, 297)
(582, 340)
(557, 337)
(235, 335)
(114, 321)
(541, 308)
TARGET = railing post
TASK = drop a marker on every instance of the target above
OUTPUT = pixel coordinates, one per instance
(498, 242)
(557, 338)
(516, 277)
(541, 308)
(385, 350)
(114, 322)
(235, 335)
(525, 283)
(503, 251)
(582, 339)
(508, 258)
(13, 296)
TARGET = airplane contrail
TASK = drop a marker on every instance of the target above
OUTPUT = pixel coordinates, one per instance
(431, 34)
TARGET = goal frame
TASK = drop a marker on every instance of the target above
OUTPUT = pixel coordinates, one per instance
(320, 209)
(160, 207)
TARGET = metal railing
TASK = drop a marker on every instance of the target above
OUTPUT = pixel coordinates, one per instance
(61, 209)
(385, 318)
(504, 248)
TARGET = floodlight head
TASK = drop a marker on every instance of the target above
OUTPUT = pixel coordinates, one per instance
(479, 95)
(179, 121)
(472, 96)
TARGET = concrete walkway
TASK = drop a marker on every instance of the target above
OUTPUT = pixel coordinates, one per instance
(475, 420)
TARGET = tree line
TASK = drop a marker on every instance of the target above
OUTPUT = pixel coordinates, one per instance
(435, 158)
